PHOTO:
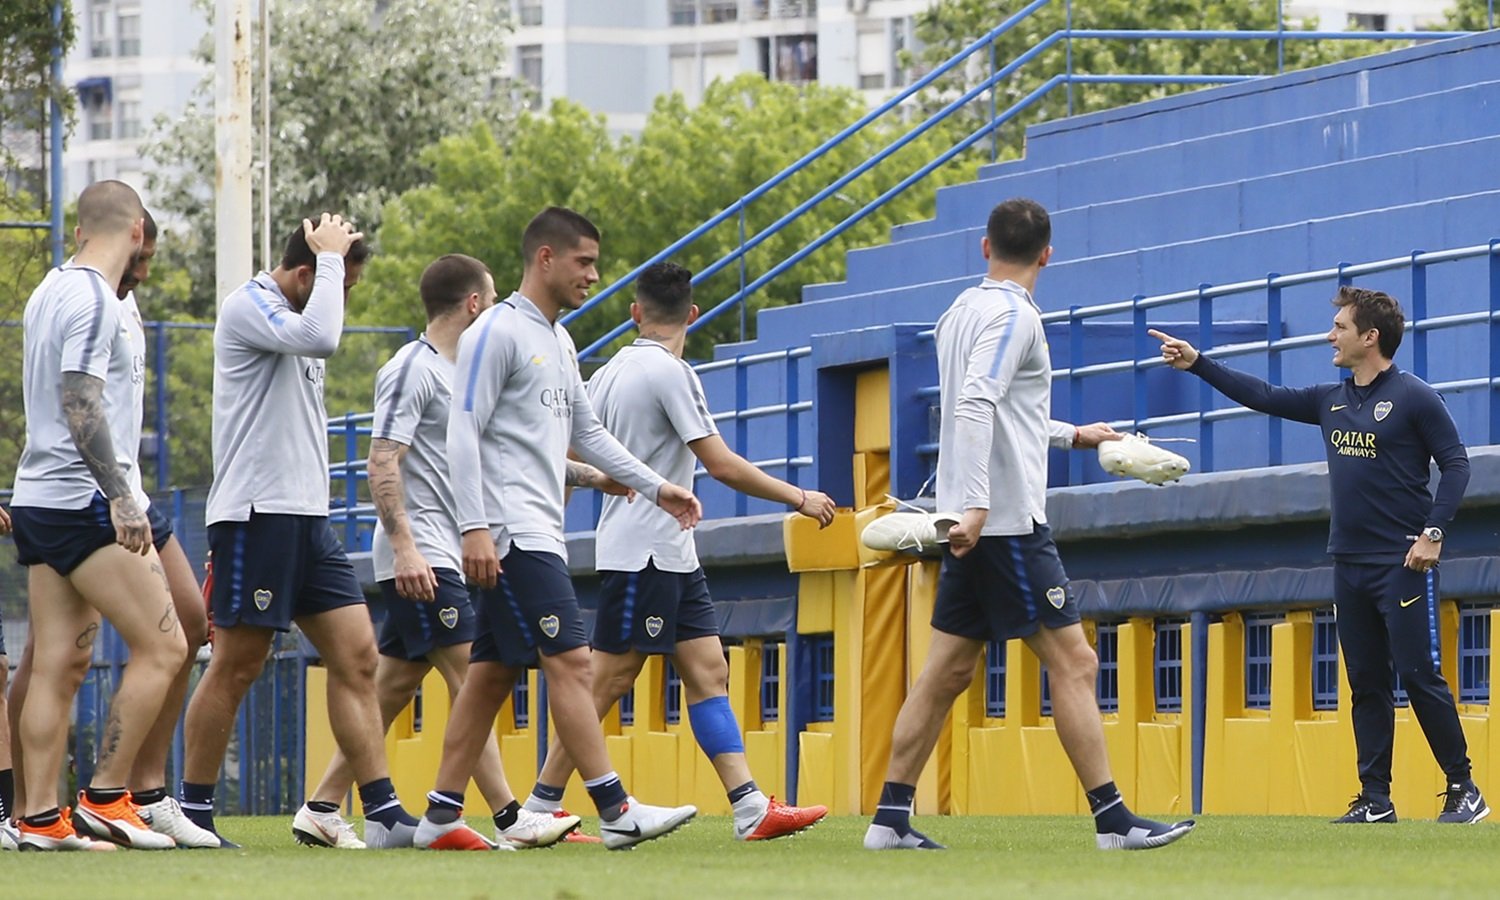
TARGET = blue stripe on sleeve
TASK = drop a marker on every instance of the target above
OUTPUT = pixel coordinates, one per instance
(395, 404)
(93, 339)
(1005, 337)
(259, 295)
(484, 337)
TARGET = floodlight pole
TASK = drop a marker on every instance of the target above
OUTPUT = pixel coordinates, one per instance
(233, 213)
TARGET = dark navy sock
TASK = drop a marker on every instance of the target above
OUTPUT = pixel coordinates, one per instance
(322, 806)
(380, 804)
(103, 796)
(198, 803)
(508, 816)
(547, 792)
(894, 808)
(146, 798)
(444, 807)
(1110, 813)
(743, 791)
(608, 796)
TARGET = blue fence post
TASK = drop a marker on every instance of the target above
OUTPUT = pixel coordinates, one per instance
(1075, 388)
(994, 105)
(55, 141)
(1494, 339)
(793, 439)
(163, 448)
(1418, 315)
(351, 484)
(742, 272)
(1273, 365)
(741, 426)
(1140, 407)
(1205, 392)
(1280, 39)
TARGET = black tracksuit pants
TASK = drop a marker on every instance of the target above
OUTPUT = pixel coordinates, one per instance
(1388, 614)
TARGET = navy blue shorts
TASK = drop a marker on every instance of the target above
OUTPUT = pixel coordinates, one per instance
(1005, 587)
(274, 568)
(412, 629)
(61, 538)
(161, 527)
(532, 609)
(652, 611)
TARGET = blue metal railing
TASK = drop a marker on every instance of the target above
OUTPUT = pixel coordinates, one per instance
(1068, 77)
(1145, 359)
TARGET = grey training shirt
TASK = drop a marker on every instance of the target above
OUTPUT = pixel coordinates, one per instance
(654, 403)
(270, 431)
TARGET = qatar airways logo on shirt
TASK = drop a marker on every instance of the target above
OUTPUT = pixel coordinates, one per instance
(314, 375)
(559, 400)
(1348, 442)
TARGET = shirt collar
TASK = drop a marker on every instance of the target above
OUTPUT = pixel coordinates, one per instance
(1009, 286)
(264, 280)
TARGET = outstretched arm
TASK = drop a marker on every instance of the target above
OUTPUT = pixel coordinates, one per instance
(1297, 404)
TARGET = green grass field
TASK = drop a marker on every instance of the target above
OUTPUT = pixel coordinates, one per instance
(1228, 856)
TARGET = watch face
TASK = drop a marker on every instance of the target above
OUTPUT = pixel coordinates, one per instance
(1434, 534)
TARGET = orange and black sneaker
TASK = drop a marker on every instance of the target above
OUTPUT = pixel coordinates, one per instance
(576, 836)
(777, 820)
(58, 835)
(117, 822)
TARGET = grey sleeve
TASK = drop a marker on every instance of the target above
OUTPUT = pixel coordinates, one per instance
(600, 449)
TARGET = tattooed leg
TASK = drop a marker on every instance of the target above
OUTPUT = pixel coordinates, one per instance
(63, 630)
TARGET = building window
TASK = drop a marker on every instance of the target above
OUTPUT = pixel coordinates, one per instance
(100, 43)
(95, 97)
(1474, 654)
(1107, 639)
(715, 11)
(627, 708)
(792, 58)
(129, 33)
(673, 698)
(683, 12)
(1367, 22)
(529, 64)
(1167, 663)
(130, 118)
(994, 679)
(1258, 660)
(823, 678)
(529, 13)
(770, 682)
(520, 702)
(1325, 668)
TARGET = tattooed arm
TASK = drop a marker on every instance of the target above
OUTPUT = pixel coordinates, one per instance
(415, 579)
(83, 407)
(581, 474)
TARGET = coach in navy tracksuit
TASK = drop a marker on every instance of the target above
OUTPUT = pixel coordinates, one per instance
(1381, 428)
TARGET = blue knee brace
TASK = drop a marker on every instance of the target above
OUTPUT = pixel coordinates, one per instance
(715, 727)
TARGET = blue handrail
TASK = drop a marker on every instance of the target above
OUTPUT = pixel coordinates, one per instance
(1069, 78)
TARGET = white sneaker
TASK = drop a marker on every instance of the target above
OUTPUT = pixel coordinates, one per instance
(455, 835)
(534, 829)
(10, 839)
(118, 823)
(166, 817)
(640, 823)
(1135, 456)
(908, 531)
(316, 829)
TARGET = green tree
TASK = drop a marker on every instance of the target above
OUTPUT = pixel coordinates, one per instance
(950, 25)
(646, 191)
(358, 86)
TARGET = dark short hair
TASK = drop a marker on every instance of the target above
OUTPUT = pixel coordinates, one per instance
(150, 224)
(297, 253)
(665, 291)
(108, 206)
(1375, 309)
(1019, 230)
(448, 279)
(556, 227)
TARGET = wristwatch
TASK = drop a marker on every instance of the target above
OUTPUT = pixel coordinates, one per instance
(1433, 533)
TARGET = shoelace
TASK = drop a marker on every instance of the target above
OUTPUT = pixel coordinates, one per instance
(909, 539)
(1453, 798)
